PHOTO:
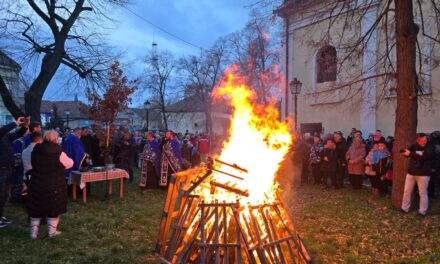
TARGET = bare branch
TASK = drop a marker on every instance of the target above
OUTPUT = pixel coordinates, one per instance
(45, 18)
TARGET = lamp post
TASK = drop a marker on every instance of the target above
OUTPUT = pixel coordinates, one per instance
(295, 89)
(67, 113)
(147, 106)
(51, 115)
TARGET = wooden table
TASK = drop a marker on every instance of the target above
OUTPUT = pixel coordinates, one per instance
(80, 179)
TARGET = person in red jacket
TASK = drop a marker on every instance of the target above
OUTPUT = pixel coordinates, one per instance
(203, 146)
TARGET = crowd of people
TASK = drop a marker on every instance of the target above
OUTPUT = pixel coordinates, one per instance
(331, 160)
(35, 167)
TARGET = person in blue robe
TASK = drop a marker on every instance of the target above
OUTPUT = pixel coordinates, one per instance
(73, 147)
(150, 163)
(171, 158)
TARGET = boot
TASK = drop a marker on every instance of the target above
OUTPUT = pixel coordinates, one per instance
(52, 224)
(34, 225)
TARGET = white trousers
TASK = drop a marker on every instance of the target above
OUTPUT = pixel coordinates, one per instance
(422, 183)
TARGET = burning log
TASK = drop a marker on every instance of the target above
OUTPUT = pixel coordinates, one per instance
(229, 188)
(227, 232)
(197, 228)
(235, 166)
(228, 174)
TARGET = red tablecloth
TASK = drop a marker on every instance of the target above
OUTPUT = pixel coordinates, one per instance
(80, 178)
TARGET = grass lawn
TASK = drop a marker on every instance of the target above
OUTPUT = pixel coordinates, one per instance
(341, 226)
(103, 231)
(348, 226)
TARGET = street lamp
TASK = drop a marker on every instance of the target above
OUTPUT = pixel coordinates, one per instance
(295, 89)
(147, 106)
(67, 113)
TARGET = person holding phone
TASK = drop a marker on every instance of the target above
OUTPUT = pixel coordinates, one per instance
(419, 170)
(7, 160)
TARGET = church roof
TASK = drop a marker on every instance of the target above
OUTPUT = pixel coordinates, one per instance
(8, 61)
(194, 104)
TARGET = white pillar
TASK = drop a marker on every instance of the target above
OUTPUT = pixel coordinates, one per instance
(368, 100)
(286, 72)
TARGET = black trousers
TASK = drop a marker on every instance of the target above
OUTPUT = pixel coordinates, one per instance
(316, 172)
(5, 182)
(305, 172)
(152, 179)
(378, 183)
(433, 181)
(44, 216)
(356, 181)
(329, 175)
(340, 175)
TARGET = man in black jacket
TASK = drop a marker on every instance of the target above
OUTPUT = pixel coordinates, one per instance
(419, 171)
(341, 149)
(125, 148)
(329, 163)
(7, 161)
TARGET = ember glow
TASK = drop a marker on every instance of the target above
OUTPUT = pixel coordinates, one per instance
(257, 142)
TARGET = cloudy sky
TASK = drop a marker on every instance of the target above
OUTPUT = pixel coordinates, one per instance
(199, 22)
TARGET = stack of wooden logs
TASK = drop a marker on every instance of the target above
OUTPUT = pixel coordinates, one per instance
(195, 231)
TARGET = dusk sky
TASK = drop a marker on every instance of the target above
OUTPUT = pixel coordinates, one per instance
(199, 22)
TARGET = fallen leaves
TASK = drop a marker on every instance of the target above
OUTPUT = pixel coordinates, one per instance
(345, 226)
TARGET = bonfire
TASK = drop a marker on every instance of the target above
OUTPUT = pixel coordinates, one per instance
(229, 211)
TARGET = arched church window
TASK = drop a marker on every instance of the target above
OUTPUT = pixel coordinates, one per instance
(326, 64)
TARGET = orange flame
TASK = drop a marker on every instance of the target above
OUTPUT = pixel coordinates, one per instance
(258, 142)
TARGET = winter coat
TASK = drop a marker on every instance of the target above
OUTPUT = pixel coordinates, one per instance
(341, 149)
(370, 143)
(420, 165)
(381, 162)
(368, 168)
(316, 153)
(6, 138)
(355, 159)
(47, 194)
(125, 154)
(301, 151)
(332, 160)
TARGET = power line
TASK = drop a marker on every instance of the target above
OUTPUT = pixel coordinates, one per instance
(162, 29)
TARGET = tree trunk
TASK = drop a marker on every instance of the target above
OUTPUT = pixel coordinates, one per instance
(8, 101)
(164, 117)
(34, 96)
(208, 122)
(406, 111)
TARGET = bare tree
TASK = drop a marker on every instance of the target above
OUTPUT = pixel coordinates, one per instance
(397, 62)
(256, 55)
(160, 80)
(202, 74)
(55, 35)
